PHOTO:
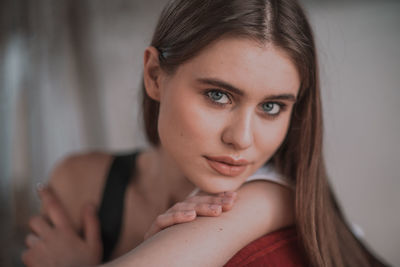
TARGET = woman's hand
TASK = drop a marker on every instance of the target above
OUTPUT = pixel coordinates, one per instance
(55, 243)
(198, 205)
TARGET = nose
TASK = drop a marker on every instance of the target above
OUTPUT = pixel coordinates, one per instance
(238, 133)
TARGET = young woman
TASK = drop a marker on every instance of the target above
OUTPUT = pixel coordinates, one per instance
(230, 86)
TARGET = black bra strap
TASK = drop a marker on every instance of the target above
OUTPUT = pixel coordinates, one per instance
(112, 205)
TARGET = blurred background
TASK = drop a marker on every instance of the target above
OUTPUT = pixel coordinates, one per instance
(70, 72)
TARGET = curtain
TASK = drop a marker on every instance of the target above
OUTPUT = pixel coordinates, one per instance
(60, 93)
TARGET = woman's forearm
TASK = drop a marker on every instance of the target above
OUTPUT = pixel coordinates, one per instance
(261, 207)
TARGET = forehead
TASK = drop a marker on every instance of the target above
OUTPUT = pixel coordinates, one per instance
(246, 64)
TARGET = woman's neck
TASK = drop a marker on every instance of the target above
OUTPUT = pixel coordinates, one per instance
(162, 178)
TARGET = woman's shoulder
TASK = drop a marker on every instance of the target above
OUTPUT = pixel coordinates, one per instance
(71, 168)
(262, 198)
(78, 179)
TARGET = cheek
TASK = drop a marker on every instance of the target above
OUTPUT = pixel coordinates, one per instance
(271, 135)
(187, 123)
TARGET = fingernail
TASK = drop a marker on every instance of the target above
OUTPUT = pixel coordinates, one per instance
(189, 213)
(227, 200)
(215, 207)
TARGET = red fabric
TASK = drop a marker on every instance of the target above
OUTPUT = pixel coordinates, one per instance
(278, 248)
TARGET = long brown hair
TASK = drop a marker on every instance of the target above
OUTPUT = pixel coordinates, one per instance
(188, 26)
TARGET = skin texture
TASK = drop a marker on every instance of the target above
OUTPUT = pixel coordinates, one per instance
(192, 126)
(260, 208)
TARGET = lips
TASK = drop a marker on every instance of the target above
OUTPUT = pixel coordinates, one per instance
(227, 166)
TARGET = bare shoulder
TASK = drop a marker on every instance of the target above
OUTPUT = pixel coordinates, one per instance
(270, 204)
(78, 179)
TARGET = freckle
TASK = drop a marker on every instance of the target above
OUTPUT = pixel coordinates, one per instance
(220, 229)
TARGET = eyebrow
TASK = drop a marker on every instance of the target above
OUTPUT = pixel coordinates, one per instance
(237, 91)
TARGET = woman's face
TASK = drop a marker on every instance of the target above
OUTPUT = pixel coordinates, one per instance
(225, 112)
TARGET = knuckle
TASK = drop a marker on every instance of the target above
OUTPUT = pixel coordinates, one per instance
(26, 258)
(208, 206)
(202, 206)
(215, 200)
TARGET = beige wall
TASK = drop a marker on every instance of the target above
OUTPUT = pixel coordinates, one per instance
(360, 67)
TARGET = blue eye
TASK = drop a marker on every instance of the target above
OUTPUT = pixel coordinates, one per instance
(271, 108)
(218, 97)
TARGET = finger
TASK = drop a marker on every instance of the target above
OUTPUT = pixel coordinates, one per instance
(228, 194)
(227, 204)
(31, 240)
(27, 258)
(182, 206)
(35, 257)
(168, 219)
(229, 200)
(226, 201)
(53, 208)
(204, 209)
(205, 199)
(91, 228)
(40, 226)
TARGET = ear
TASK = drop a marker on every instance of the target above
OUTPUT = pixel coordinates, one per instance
(153, 73)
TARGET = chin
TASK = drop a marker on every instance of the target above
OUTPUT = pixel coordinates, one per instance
(218, 185)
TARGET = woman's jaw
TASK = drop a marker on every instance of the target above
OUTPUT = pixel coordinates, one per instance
(208, 172)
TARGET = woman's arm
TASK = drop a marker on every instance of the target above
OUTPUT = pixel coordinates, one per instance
(67, 231)
(261, 207)
(54, 241)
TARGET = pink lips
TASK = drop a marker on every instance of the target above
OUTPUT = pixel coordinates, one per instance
(227, 166)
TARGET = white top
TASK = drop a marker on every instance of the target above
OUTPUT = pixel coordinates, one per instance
(266, 173)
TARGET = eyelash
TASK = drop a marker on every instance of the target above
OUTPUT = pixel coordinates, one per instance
(282, 106)
(207, 94)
